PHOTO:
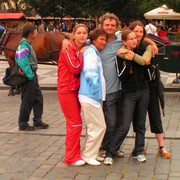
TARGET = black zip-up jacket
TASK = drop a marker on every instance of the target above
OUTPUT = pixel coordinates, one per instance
(132, 74)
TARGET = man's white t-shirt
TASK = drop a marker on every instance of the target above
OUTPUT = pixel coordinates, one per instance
(151, 29)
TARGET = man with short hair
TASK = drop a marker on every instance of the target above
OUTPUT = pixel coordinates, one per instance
(31, 96)
(111, 106)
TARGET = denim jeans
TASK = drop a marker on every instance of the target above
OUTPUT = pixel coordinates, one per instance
(111, 108)
(133, 107)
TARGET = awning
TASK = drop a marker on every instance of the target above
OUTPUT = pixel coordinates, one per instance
(5, 16)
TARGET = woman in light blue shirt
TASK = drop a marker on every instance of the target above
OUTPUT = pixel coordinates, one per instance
(91, 95)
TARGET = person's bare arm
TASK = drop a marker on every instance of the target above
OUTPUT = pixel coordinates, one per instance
(65, 44)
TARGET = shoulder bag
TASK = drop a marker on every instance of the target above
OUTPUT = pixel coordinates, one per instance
(14, 76)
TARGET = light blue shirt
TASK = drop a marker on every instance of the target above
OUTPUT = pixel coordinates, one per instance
(108, 56)
(92, 83)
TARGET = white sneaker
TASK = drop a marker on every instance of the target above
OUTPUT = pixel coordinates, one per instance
(99, 158)
(140, 158)
(108, 161)
(78, 163)
(93, 162)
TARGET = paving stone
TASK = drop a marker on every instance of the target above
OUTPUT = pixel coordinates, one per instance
(39, 155)
(82, 177)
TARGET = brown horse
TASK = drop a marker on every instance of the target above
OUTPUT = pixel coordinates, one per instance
(46, 45)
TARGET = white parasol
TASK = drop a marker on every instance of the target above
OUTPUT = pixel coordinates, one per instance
(162, 12)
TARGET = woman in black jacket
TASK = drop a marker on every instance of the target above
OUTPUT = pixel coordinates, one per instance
(153, 108)
(135, 93)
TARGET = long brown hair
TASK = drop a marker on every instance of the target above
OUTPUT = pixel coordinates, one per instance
(138, 23)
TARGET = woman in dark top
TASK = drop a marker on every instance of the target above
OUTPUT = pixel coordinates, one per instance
(153, 108)
(135, 96)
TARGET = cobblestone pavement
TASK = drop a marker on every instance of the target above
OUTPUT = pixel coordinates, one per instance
(39, 154)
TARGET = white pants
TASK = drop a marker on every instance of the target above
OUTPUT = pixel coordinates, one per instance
(95, 130)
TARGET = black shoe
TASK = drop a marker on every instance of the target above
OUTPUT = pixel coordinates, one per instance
(41, 126)
(26, 128)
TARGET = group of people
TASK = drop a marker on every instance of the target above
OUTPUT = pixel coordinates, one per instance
(109, 83)
(160, 29)
(106, 77)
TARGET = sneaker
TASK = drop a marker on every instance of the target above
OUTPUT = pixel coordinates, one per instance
(140, 158)
(93, 162)
(108, 161)
(163, 152)
(99, 158)
(78, 163)
(41, 126)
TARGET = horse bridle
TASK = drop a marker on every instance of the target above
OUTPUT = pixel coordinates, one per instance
(3, 40)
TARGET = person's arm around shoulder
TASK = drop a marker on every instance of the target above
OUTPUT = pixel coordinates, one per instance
(122, 51)
(129, 54)
(145, 57)
(153, 45)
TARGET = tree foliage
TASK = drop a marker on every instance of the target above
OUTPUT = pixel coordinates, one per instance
(85, 8)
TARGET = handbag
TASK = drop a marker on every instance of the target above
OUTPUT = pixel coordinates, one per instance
(154, 75)
(14, 76)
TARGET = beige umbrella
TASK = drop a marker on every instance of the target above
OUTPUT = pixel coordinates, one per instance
(162, 12)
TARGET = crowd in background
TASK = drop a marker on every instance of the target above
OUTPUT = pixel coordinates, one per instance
(162, 29)
(63, 26)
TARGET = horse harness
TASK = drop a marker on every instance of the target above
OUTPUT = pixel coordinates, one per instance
(5, 36)
(4, 39)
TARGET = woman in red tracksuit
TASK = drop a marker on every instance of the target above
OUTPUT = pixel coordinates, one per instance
(69, 66)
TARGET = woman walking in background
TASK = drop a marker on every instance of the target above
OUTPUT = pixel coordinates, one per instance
(69, 66)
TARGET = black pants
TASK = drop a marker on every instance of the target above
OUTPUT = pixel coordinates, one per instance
(111, 108)
(31, 98)
(133, 107)
(154, 109)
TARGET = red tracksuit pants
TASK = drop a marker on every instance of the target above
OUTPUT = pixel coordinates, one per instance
(71, 108)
